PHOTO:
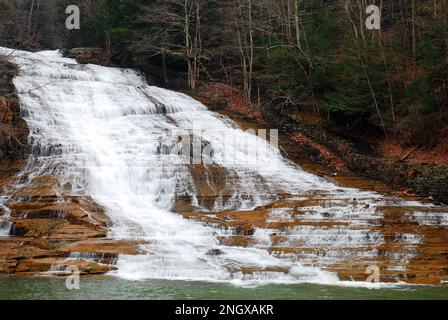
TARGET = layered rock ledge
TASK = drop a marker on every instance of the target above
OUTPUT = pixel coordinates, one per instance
(51, 231)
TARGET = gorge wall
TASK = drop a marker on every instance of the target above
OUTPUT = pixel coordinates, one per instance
(13, 129)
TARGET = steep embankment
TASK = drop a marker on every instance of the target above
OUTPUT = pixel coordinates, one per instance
(308, 142)
(13, 129)
(241, 214)
(411, 178)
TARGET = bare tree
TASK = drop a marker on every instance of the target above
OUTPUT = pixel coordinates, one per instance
(245, 33)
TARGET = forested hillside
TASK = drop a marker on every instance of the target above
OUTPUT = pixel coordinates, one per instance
(285, 54)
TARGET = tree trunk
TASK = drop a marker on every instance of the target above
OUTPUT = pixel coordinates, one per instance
(30, 18)
(414, 36)
(164, 67)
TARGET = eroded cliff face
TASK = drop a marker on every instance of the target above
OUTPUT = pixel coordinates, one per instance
(51, 230)
(13, 129)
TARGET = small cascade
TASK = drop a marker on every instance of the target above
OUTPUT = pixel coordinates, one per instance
(5, 223)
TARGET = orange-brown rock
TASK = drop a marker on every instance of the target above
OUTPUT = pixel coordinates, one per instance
(13, 135)
(89, 55)
(36, 266)
(104, 246)
(49, 226)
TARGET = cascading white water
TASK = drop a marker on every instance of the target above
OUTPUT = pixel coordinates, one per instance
(5, 224)
(113, 137)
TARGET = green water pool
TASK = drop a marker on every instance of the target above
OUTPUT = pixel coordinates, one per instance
(112, 288)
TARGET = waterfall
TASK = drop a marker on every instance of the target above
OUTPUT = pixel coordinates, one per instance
(5, 224)
(109, 135)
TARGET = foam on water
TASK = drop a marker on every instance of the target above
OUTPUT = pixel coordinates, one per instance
(115, 138)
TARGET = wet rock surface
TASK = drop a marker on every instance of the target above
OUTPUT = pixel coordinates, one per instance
(89, 55)
(51, 231)
(13, 129)
(404, 243)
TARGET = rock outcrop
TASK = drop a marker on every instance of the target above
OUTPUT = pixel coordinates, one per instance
(51, 230)
(305, 142)
(89, 55)
(13, 129)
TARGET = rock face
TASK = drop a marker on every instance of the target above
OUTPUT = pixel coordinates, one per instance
(89, 55)
(425, 180)
(13, 129)
(51, 231)
(13, 140)
(405, 243)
